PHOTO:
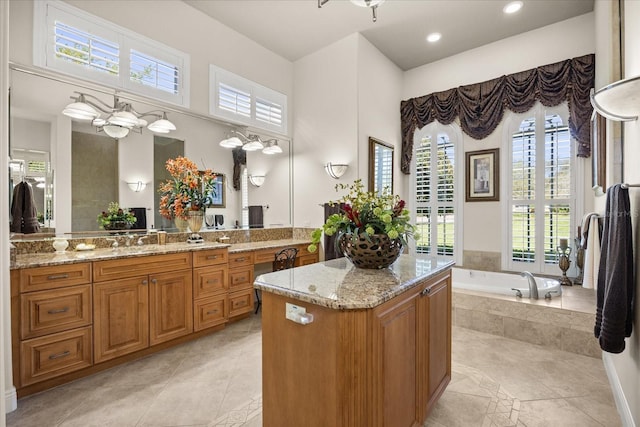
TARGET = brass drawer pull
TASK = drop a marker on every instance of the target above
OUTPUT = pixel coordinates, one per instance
(59, 355)
(58, 276)
(212, 311)
(212, 281)
(59, 310)
(425, 291)
(212, 257)
(241, 259)
(239, 303)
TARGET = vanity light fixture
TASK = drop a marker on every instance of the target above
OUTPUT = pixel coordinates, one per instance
(335, 170)
(256, 180)
(137, 186)
(121, 116)
(250, 142)
(373, 4)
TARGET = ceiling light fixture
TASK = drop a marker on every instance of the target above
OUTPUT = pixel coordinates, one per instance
(250, 142)
(373, 4)
(434, 37)
(512, 7)
(122, 117)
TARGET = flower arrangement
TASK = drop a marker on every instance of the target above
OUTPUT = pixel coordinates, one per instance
(366, 214)
(116, 217)
(187, 189)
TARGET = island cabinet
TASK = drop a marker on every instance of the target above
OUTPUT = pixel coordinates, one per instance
(140, 302)
(368, 364)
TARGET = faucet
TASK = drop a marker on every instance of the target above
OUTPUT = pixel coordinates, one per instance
(141, 240)
(128, 239)
(114, 245)
(533, 288)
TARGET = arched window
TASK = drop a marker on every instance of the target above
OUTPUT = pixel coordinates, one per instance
(542, 200)
(436, 191)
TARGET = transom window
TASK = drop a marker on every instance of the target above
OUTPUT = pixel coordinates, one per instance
(69, 40)
(542, 199)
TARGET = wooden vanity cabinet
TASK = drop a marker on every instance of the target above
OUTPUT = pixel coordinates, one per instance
(51, 321)
(152, 303)
(210, 288)
(241, 283)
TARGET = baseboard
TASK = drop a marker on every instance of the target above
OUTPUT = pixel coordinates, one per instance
(11, 399)
(618, 394)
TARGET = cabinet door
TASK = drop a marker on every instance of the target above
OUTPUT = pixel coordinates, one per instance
(434, 330)
(171, 306)
(395, 349)
(121, 317)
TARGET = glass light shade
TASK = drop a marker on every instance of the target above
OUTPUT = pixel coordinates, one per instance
(142, 123)
(80, 111)
(232, 142)
(257, 180)
(161, 126)
(99, 122)
(137, 186)
(123, 118)
(367, 3)
(512, 7)
(272, 149)
(115, 131)
(335, 170)
(253, 146)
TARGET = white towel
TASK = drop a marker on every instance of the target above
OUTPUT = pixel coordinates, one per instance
(592, 255)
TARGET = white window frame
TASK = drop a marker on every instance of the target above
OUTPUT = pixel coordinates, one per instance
(513, 121)
(218, 75)
(46, 12)
(455, 136)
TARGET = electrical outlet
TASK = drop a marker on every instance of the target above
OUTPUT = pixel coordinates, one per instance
(293, 312)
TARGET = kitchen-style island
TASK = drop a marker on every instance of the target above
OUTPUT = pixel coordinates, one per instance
(343, 346)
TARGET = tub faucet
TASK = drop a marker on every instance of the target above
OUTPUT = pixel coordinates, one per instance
(533, 288)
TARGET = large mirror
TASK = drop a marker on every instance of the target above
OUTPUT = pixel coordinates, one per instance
(93, 169)
(380, 166)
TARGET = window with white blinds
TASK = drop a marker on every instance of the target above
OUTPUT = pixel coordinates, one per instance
(435, 194)
(542, 196)
(245, 102)
(72, 41)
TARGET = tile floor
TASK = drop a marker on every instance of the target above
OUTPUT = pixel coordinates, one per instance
(216, 381)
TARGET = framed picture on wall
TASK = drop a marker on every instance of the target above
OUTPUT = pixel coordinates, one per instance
(219, 186)
(482, 176)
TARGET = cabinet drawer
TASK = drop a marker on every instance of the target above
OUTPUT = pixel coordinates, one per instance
(240, 302)
(210, 312)
(55, 355)
(241, 259)
(210, 257)
(240, 278)
(304, 251)
(266, 255)
(132, 267)
(306, 260)
(209, 281)
(56, 276)
(46, 312)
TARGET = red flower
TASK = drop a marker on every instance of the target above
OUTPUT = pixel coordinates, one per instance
(398, 208)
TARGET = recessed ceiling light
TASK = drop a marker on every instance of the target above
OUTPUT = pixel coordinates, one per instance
(512, 7)
(433, 37)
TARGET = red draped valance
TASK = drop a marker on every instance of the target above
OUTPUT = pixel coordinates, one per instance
(479, 107)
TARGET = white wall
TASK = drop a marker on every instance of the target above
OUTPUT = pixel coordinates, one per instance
(325, 126)
(568, 39)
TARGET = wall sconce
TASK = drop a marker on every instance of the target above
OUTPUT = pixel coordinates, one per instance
(335, 170)
(137, 186)
(256, 180)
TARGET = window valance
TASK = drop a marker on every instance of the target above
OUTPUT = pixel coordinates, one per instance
(480, 107)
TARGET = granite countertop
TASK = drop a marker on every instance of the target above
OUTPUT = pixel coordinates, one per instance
(74, 256)
(337, 284)
(268, 244)
(70, 257)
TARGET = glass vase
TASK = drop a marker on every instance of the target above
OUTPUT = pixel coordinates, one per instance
(195, 219)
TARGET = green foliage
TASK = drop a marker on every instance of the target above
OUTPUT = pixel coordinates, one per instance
(114, 214)
(365, 213)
